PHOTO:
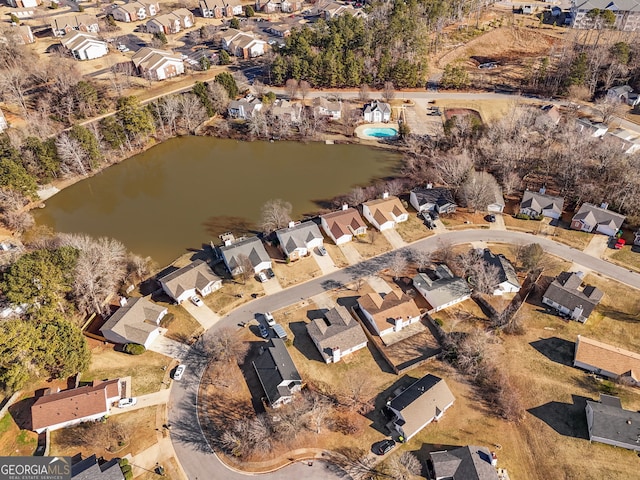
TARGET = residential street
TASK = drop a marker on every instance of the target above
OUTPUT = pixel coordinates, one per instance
(191, 448)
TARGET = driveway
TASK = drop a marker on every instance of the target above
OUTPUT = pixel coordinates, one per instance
(272, 286)
(143, 401)
(378, 284)
(203, 314)
(351, 253)
(597, 246)
(191, 448)
(325, 263)
(394, 238)
(170, 348)
(498, 224)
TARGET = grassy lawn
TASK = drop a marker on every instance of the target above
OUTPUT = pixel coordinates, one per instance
(462, 217)
(514, 223)
(296, 272)
(413, 229)
(371, 244)
(573, 238)
(146, 370)
(181, 326)
(139, 427)
(624, 257)
(232, 295)
(14, 441)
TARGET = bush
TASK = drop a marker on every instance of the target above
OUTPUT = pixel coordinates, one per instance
(134, 349)
(439, 322)
(522, 216)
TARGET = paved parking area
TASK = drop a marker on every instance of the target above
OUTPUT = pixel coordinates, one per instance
(419, 122)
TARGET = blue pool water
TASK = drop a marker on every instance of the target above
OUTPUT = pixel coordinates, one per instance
(385, 132)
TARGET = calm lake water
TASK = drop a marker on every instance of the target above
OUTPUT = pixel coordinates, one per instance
(186, 191)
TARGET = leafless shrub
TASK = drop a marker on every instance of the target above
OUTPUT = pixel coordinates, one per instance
(405, 466)
(226, 346)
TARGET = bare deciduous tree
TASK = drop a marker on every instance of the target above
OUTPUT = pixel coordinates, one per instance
(74, 158)
(388, 91)
(479, 190)
(219, 97)
(304, 88)
(405, 466)
(319, 409)
(226, 346)
(609, 107)
(275, 214)
(397, 264)
(192, 113)
(454, 169)
(364, 93)
(421, 258)
(291, 87)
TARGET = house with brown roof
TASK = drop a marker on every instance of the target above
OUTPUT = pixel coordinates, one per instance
(341, 226)
(606, 360)
(385, 213)
(417, 406)
(63, 24)
(155, 64)
(569, 297)
(590, 218)
(337, 334)
(54, 411)
(136, 321)
(389, 314)
(170, 23)
(195, 278)
(135, 10)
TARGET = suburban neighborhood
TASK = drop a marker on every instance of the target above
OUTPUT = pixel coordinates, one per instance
(333, 239)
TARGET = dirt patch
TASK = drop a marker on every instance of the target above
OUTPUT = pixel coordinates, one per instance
(13, 440)
(449, 113)
(462, 217)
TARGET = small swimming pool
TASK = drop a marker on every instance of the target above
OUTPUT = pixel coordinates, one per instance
(380, 132)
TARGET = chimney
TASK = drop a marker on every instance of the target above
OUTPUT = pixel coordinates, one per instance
(543, 190)
(494, 459)
(604, 205)
(345, 206)
(123, 301)
(292, 224)
(429, 186)
(385, 195)
(335, 352)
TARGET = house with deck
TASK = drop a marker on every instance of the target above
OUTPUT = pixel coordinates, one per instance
(343, 225)
(607, 360)
(136, 321)
(197, 278)
(385, 213)
(590, 218)
(569, 297)
(415, 407)
(244, 108)
(389, 313)
(277, 373)
(244, 251)
(299, 239)
(53, 411)
(336, 334)
(536, 204)
(61, 25)
(441, 288)
(325, 108)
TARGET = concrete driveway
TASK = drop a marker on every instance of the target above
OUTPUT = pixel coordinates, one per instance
(206, 317)
(351, 253)
(597, 246)
(378, 284)
(272, 286)
(498, 224)
(170, 348)
(324, 262)
(394, 238)
(143, 401)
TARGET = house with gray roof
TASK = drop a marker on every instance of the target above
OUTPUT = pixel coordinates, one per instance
(567, 295)
(590, 218)
(234, 253)
(469, 462)
(537, 204)
(627, 14)
(324, 108)
(277, 373)
(593, 129)
(507, 279)
(377, 111)
(336, 334)
(609, 423)
(137, 321)
(298, 239)
(432, 199)
(195, 278)
(92, 469)
(418, 405)
(244, 108)
(441, 288)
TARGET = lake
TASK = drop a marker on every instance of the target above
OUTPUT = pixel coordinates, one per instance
(186, 191)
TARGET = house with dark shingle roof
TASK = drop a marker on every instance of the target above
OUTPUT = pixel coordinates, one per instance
(298, 239)
(432, 199)
(418, 405)
(385, 213)
(536, 204)
(469, 462)
(54, 411)
(388, 314)
(507, 279)
(92, 469)
(590, 218)
(441, 288)
(195, 278)
(567, 295)
(137, 321)
(336, 334)
(277, 373)
(342, 225)
(607, 360)
(609, 423)
(252, 248)
(377, 111)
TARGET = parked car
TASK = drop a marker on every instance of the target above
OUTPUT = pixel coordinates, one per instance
(123, 48)
(385, 446)
(491, 218)
(177, 375)
(262, 277)
(620, 243)
(264, 333)
(127, 402)
(197, 301)
(269, 318)
(434, 215)
(322, 251)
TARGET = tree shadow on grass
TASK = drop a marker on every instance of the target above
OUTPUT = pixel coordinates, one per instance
(568, 419)
(555, 349)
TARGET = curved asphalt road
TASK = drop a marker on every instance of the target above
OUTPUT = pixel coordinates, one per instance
(192, 449)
